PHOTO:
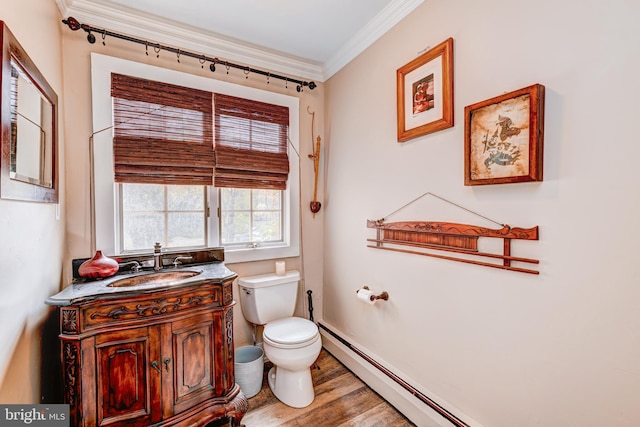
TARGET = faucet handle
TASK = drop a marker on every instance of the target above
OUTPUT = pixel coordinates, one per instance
(157, 248)
(176, 262)
(135, 265)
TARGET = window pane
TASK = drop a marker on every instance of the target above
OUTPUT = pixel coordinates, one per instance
(266, 227)
(142, 197)
(235, 199)
(185, 229)
(266, 199)
(236, 227)
(173, 215)
(250, 216)
(185, 198)
(142, 230)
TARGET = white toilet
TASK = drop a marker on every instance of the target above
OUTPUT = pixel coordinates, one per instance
(292, 344)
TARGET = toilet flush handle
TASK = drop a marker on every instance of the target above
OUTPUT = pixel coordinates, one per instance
(247, 291)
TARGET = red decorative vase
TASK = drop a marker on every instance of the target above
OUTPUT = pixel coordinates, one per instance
(98, 267)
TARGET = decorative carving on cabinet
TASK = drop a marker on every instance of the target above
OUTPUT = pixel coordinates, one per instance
(229, 321)
(160, 306)
(238, 405)
(229, 373)
(227, 293)
(71, 363)
(69, 321)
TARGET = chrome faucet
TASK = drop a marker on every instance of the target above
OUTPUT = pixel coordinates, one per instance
(177, 262)
(157, 256)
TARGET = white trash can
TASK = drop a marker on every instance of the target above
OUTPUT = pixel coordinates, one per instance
(249, 367)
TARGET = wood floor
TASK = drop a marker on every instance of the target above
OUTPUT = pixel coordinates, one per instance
(341, 400)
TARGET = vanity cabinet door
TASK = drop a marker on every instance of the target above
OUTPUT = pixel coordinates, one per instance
(194, 370)
(128, 377)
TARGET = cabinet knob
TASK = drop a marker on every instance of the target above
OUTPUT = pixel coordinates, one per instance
(154, 365)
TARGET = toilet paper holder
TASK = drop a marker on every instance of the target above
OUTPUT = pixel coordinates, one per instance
(383, 295)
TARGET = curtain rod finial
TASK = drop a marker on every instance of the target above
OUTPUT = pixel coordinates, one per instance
(72, 23)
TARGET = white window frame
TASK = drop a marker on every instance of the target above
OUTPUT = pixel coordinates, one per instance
(105, 198)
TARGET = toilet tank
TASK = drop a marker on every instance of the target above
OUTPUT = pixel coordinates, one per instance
(268, 297)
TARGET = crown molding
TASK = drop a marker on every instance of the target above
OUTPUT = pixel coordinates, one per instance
(125, 20)
(381, 23)
(158, 30)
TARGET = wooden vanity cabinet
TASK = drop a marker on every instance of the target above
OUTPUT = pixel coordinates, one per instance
(163, 358)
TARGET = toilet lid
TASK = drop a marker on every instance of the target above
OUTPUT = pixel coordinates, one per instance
(290, 330)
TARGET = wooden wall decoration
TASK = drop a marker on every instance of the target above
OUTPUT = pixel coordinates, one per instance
(503, 138)
(460, 240)
(315, 205)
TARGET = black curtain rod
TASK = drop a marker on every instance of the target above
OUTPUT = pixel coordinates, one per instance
(157, 47)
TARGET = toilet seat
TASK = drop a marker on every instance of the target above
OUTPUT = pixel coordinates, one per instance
(290, 332)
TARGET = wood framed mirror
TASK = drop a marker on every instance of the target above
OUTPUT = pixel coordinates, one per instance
(28, 116)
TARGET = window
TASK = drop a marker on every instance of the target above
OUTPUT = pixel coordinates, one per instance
(176, 216)
(265, 222)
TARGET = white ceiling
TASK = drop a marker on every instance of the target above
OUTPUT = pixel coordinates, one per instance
(312, 39)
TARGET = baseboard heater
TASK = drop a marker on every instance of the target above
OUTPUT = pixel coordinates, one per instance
(416, 393)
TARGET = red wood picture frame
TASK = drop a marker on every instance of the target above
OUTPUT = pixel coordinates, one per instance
(503, 138)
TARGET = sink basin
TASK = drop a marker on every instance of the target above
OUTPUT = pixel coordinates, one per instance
(156, 278)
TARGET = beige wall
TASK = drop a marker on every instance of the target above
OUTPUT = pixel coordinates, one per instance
(507, 349)
(32, 242)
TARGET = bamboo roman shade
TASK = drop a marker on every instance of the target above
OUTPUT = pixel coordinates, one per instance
(163, 133)
(250, 144)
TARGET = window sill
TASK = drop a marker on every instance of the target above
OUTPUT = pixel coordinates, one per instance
(259, 254)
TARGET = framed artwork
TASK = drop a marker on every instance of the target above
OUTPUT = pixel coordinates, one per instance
(425, 93)
(503, 138)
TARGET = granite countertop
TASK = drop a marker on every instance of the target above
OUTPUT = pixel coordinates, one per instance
(81, 291)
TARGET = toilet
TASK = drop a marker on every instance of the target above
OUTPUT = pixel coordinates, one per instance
(292, 344)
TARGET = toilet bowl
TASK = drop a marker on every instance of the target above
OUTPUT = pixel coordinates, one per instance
(292, 344)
